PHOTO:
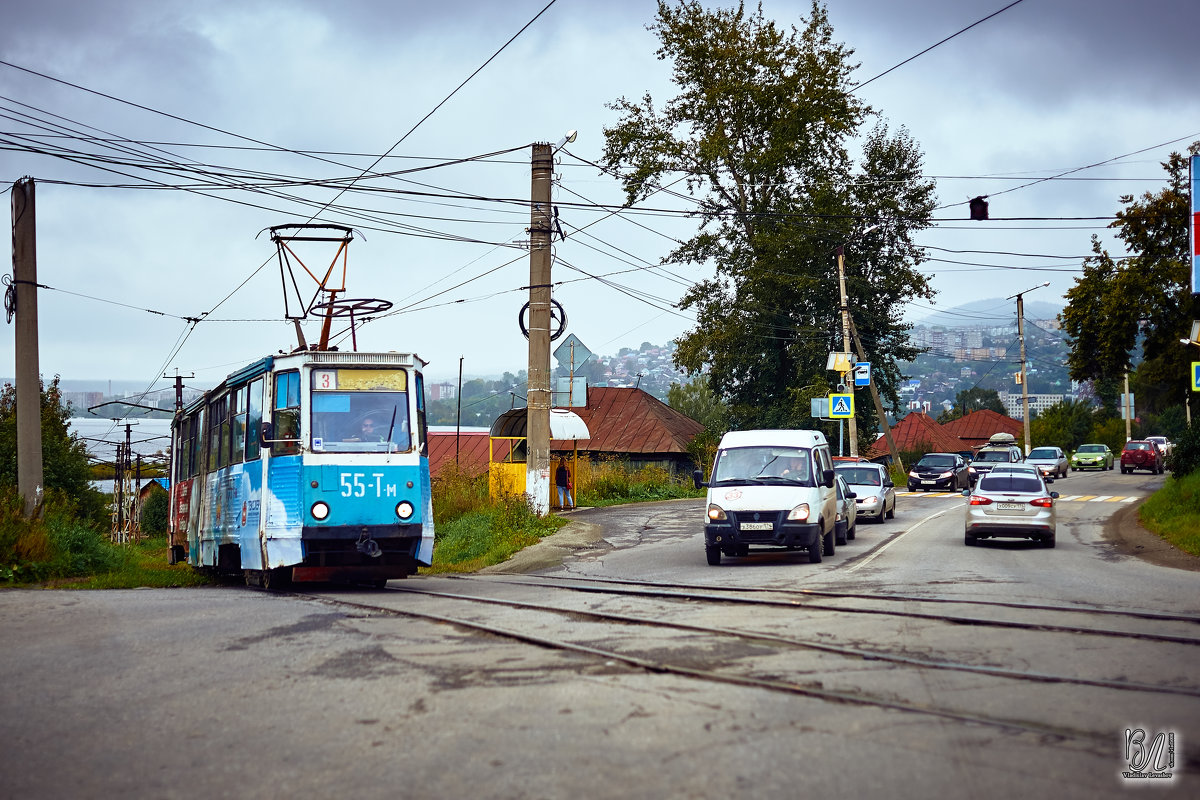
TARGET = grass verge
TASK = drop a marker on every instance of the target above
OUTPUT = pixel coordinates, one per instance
(1173, 512)
(473, 531)
(488, 535)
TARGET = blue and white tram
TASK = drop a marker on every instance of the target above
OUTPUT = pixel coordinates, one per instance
(312, 466)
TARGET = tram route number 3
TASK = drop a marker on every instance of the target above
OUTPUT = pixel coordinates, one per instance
(359, 484)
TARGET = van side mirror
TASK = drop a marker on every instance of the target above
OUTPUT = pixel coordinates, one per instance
(698, 479)
(827, 479)
(887, 483)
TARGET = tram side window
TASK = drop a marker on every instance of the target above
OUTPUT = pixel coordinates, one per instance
(237, 441)
(218, 432)
(196, 442)
(254, 410)
(237, 425)
(287, 412)
(183, 451)
(422, 433)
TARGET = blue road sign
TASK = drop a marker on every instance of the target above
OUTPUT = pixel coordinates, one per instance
(841, 406)
(862, 373)
(1196, 376)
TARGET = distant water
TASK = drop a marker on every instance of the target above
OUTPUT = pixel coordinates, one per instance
(101, 436)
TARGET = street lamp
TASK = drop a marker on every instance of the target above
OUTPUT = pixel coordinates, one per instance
(1020, 296)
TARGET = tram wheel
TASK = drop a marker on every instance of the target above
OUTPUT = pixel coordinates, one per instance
(276, 579)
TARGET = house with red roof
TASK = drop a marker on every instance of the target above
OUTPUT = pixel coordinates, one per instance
(918, 432)
(625, 423)
(977, 427)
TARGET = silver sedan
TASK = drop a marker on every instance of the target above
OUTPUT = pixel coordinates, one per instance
(876, 494)
(1013, 505)
(1052, 461)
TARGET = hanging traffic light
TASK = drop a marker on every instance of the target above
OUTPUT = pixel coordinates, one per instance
(979, 208)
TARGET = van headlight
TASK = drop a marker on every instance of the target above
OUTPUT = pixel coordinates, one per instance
(799, 513)
(716, 513)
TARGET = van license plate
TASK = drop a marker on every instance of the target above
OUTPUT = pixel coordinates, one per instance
(757, 526)
(923, 482)
(1010, 506)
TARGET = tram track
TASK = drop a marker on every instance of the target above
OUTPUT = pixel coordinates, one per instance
(606, 627)
(737, 595)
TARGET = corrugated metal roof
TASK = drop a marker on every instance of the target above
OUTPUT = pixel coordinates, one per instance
(622, 421)
(978, 426)
(919, 431)
(471, 450)
(626, 420)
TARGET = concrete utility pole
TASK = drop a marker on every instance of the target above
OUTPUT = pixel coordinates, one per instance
(1024, 377)
(28, 377)
(1021, 337)
(538, 397)
(841, 262)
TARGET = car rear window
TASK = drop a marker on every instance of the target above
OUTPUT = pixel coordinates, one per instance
(1009, 482)
(860, 476)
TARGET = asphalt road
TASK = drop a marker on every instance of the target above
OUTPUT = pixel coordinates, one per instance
(228, 691)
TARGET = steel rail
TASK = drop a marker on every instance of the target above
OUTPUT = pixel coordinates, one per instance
(852, 652)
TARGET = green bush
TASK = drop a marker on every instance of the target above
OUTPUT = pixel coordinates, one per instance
(1185, 453)
(154, 514)
(56, 544)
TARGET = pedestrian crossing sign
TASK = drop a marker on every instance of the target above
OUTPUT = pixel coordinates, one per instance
(841, 406)
(1196, 376)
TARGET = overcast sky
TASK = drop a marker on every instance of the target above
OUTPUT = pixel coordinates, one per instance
(1046, 87)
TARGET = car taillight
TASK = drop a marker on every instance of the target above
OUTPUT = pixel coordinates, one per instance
(1042, 502)
(980, 500)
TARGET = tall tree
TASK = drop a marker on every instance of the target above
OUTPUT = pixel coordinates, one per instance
(1143, 300)
(760, 129)
(64, 454)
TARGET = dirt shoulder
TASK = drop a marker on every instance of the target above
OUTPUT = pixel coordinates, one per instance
(550, 552)
(1127, 534)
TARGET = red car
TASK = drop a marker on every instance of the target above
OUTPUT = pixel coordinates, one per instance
(1141, 455)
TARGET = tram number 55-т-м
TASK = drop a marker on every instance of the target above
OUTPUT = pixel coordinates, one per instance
(358, 484)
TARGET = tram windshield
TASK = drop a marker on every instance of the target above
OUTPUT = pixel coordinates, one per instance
(360, 411)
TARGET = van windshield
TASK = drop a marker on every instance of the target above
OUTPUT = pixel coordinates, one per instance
(765, 464)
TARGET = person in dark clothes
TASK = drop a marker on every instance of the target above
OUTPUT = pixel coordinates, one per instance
(562, 479)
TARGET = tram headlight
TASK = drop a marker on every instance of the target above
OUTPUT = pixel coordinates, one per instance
(319, 510)
(404, 509)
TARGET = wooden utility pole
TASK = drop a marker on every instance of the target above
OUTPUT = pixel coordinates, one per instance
(28, 377)
(853, 423)
(538, 398)
(883, 423)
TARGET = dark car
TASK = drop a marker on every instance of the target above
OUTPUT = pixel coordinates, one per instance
(1141, 454)
(947, 471)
